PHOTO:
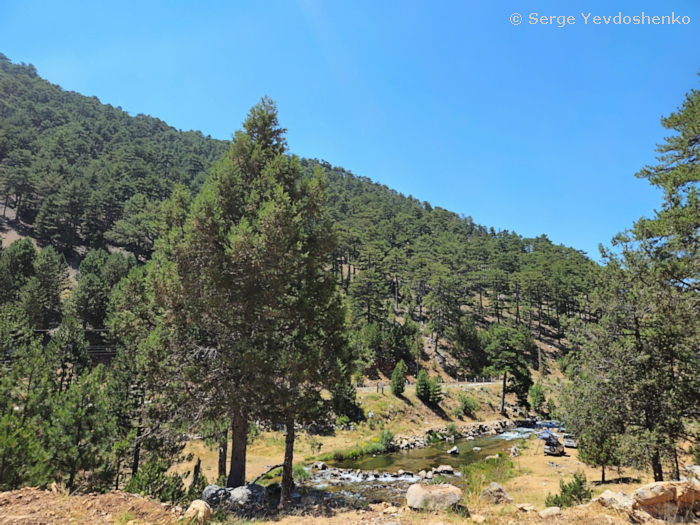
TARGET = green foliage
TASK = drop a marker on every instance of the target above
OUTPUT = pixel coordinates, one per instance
(398, 378)
(299, 473)
(385, 438)
(573, 493)
(342, 420)
(480, 474)
(466, 406)
(510, 350)
(423, 386)
(537, 398)
(452, 429)
(152, 479)
(435, 390)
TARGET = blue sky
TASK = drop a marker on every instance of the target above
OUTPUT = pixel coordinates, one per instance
(531, 128)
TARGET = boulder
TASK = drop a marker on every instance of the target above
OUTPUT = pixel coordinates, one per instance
(421, 474)
(444, 469)
(213, 495)
(247, 495)
(693, 471)
(429, 474)
(491, 457)
(550, 512)
(319, 465)
(434, 497)
(495, 494)
(453, 450)
(199, 512)
(615, 500)
(514, 452)
(525, 507)
(654, 493)
(476, 449)
(477, 518)
(470, 438)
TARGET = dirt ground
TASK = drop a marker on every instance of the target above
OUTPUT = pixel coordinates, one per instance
(32, 506)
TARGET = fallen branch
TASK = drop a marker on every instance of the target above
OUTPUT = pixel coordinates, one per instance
(266, 472)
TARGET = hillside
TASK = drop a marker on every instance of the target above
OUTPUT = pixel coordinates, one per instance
(77, 174)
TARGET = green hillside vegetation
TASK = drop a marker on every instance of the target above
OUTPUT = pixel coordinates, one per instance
(172, 228)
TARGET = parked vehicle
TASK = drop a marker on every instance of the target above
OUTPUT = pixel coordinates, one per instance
(570, 441)
(554, 448)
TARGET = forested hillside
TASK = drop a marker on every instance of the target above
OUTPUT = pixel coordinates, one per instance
(77, 174)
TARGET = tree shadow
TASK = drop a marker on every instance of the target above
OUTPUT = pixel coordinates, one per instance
(622, 480)
(405, 400)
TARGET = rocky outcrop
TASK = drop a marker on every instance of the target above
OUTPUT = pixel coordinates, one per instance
(495, 494)
(656, 502)
(433, 497)
(454, 450)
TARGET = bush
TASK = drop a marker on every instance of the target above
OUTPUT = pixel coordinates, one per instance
(570, 494)
(152, 479)
(452, 429)
(398, 378)
(342, 420)
(466, 406)
(385, 438)
(299, 473)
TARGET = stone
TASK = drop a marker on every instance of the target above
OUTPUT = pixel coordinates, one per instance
(213, 494)
(401, 472)
(476, 449)
(550, 512)
(476, 518)
(525, 507)
(654, 493)
(199, 512)
(616, 501)
(434, 497)
(693, 471)
(453, 450)
(491, 457)
(495, 494)
(444, 469)
(247, 495)
(429, 474)
(514, 452)
(391, 510)
(421, 474)
(319, 465)
(470, 438)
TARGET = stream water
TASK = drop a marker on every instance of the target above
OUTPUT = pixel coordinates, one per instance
(379, 480)
(415, 460)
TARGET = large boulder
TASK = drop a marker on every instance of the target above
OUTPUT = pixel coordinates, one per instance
(247, 495)
(213, 495)
(550, 512)
(199, 512)
(433, 497)
(495, 494)
(654, 494)
(453, 450)
(615, 500)
(667, 500)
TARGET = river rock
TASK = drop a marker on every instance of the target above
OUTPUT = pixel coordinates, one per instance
(319, 465)
(444, 469)
(495, 494)
(429, 474)
(495, 456)
(434, 497)
(199, 512)
(421, 474)
(549, 512)
(253, 494)
(453, 450)
(476, 449)
(470, 438)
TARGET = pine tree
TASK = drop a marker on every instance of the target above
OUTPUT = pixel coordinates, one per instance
(398, 378)
(423, 386)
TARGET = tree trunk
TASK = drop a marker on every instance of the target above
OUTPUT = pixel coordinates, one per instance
(503, 394)
(196, 471)
(539, 361)
(287, 479)
(137, 451)
(239, 438)
(223, 451)
(602, 476)
(656, 467)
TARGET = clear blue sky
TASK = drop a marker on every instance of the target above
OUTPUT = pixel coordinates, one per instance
(532, 128)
